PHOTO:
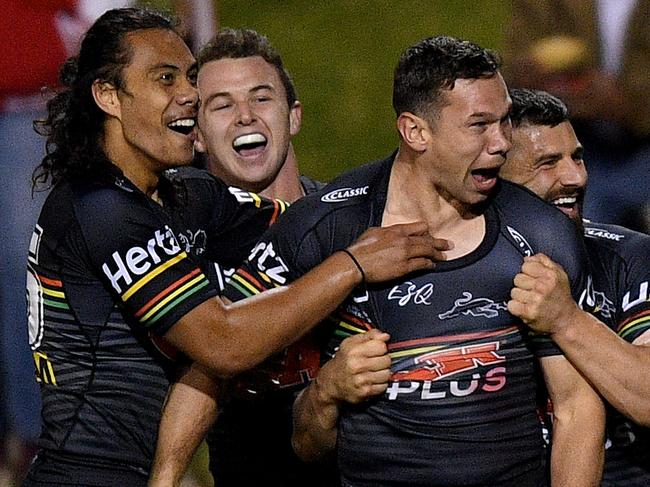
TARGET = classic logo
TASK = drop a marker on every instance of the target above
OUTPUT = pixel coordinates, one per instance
(522, 243)
(406, 292)
(595, 302)
(139, 260)
(343, 194)
(468, 305)
(268, 262)
(602, 233)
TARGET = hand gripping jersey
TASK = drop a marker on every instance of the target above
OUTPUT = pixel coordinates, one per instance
(620, 297)
(109, 270)
(461, 407)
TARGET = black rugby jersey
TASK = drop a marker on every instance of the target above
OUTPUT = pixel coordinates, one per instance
(620, 297)
(109, 270)
(461, 407)
(250, 441)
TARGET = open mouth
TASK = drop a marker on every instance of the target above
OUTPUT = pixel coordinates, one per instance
(485, 178)
(250, 144)
(566, 202)
(183, 125)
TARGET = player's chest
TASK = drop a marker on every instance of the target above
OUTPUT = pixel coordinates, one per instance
(470, 298)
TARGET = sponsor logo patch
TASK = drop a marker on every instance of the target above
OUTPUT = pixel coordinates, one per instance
(343, 194)
(431, 368)
(138, 260)
(601, 233)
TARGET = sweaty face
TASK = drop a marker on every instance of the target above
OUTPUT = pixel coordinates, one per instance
(245, 121)
(548, 161)
(470, 136)
(159, 101)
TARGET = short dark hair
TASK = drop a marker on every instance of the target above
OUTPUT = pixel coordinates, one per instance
(537, 108)
(74, 123)
(243, 43)
(434, 64)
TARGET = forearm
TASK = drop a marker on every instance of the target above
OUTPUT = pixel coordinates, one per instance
(190, 410)
(617, 369)
(315, 423)
(577, 452)
(236, 337)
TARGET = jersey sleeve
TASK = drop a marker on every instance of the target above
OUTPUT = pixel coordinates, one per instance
(634, 287)
(284, 253)
(137, 256)
(239, 221)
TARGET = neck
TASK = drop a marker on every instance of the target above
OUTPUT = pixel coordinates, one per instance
(136, 168)
(286, 185)
(413, 197)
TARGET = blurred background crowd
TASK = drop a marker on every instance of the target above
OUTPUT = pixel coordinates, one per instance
(594, 54)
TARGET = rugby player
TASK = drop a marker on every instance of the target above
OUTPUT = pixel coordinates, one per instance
(454, 400)
(120, 260)
(248, 116)
(610, 346)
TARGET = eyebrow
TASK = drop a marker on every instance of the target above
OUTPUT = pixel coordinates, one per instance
(254, 89)
(579, 152)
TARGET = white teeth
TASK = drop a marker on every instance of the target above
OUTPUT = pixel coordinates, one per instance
(255, 138)
(565, 201)
(183, 122)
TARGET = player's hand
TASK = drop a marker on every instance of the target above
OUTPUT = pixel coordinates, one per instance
(359, 370)
(541, 295)
(390, 252)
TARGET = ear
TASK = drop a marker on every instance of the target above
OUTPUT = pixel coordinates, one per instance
(295, 118)
(105, 95)
(199, 143)
(414, 131)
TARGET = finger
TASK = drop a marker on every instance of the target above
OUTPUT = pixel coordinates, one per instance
(376, 334)
(443, 244)
(533, 268)
(380, 376)
(419, 264)
(520, 295)
(524, 281)
(377, 389)
(373, 348)
(379, 364)
(517, 308)
(414, 228)
(425, 245)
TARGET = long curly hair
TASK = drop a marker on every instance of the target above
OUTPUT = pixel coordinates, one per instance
(74, 123)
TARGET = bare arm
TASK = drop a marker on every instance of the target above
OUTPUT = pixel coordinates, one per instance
(190, 410)
(231, 339)
(616, 368)
(577, 450)
(360, 370)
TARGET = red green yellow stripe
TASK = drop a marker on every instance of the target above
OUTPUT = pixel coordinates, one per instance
(148, 277)
(166, 291)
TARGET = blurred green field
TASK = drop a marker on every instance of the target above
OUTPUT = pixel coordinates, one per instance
(341, 54)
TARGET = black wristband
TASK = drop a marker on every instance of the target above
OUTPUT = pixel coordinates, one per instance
(356, 262)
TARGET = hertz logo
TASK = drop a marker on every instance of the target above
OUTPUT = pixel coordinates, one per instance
(139, 260)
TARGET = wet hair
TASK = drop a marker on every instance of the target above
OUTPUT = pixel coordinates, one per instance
(536, 108)
(74, 124)
(434, 64)
(243, 43)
